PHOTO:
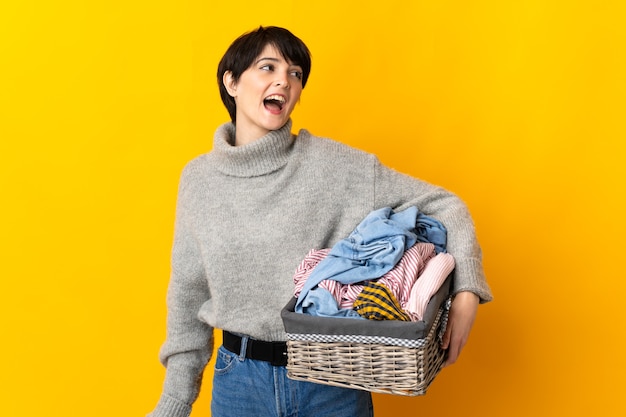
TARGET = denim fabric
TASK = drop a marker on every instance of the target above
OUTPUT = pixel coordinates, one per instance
(321, 302)
(429, 230)
(250, 388)
(369, 252)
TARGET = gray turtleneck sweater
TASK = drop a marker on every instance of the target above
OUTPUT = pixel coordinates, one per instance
(247, 216)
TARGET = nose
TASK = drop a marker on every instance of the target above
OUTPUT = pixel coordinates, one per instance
(282, 80)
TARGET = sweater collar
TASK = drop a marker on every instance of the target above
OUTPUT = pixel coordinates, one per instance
(263, 156)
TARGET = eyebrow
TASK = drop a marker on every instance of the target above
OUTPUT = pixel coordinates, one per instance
(277, 60)
(267, 59)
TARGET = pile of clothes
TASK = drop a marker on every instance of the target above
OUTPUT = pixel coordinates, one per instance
(386, 269)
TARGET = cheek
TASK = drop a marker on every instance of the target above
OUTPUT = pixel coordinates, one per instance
(297, 93)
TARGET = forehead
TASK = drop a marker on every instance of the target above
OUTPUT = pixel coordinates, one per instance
(272, 53)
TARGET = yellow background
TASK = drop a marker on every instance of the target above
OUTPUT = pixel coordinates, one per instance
(516, 106)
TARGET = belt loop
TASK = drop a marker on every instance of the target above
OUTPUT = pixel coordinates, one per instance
(244, 347)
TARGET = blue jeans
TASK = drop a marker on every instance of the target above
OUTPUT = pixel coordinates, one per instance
(250, 388)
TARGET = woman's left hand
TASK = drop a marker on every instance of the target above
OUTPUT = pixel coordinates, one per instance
(460, 321)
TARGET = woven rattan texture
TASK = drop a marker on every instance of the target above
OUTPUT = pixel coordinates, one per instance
(375, 367)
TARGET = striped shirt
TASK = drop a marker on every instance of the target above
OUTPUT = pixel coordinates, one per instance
(401, 280)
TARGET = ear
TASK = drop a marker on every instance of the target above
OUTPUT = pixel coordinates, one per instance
(230, 83)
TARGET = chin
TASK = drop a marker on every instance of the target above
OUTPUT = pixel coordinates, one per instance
(276, 125)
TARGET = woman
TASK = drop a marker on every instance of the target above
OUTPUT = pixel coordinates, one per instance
(247, 214)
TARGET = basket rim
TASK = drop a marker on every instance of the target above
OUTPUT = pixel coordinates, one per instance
(298, 323)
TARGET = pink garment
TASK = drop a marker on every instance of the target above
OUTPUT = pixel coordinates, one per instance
(402, 277)
(305, 268)
(337, 289)
(437, 270)
(399, 280)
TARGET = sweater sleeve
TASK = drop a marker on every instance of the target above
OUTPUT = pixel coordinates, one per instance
(399, 191)
(189, 341)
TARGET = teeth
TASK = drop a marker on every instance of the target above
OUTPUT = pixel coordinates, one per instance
(276, 97)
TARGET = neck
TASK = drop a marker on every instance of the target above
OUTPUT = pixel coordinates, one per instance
(244, 136)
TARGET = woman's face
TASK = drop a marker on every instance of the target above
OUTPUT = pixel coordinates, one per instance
(265, 95)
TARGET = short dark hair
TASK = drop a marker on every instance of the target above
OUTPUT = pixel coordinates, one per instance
(245, 49)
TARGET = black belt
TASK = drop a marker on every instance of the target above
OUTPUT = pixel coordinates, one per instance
(272, 352)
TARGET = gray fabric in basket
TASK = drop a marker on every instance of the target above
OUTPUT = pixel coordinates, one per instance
(297, 323)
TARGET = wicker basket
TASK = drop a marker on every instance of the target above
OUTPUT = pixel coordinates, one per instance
(388, 357)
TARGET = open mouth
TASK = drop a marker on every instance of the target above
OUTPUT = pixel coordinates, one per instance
(274, 103)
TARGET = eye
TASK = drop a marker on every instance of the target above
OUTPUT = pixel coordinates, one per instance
(267, 67)
(297, 74)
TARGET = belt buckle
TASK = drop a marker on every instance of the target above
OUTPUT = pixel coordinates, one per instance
(279, 355)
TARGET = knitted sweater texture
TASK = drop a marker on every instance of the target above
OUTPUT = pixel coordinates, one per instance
(247, 216)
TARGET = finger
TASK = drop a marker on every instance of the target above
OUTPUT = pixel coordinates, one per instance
(453, 354)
